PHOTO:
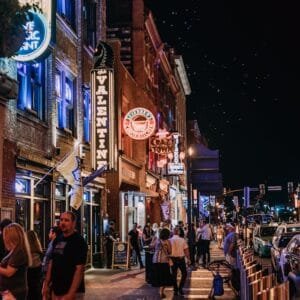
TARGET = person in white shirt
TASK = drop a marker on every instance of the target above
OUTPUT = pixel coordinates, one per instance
(180, 251)
(206, 236)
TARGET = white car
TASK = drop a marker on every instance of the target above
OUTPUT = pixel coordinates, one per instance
(285, 228)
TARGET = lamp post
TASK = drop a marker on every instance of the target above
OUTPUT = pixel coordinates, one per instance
(190, 186)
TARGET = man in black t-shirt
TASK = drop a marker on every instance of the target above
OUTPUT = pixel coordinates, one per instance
(67, 262)
(133, 237)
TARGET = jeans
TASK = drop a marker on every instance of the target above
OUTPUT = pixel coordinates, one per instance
(179, 263)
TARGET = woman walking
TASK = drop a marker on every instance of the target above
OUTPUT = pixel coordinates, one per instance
(220, 235)
(161, 267)
(13, 269)
(34, 274)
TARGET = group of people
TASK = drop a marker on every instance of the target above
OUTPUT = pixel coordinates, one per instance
(27, 273)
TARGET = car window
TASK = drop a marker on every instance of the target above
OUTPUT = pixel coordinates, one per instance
(293, 229)
(284, 240)
(267, 231)
(293, 243)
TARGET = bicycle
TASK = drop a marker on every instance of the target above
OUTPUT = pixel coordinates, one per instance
(225, 269)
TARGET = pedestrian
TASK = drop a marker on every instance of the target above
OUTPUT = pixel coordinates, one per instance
(3, 224)
(181, 229)
(133, 237)
(110, 237)
(53, 233)
(162, 276)
(66, 267)
(220, 235)
(191, 237)
(147, 239)
(180, 251)
(13, 269)
(34, 272)
(230, 245)
(206, 236)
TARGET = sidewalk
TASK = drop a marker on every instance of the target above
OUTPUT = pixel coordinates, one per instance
(113, 284)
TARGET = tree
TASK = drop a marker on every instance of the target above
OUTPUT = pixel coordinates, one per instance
(12, 32)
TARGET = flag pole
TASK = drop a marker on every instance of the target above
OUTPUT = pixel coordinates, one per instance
(58, 163)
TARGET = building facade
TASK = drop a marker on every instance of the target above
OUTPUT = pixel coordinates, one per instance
(53, 116)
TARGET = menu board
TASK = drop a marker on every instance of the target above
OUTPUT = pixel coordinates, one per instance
(120, 254)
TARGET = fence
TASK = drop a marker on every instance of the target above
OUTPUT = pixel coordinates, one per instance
(255, 285)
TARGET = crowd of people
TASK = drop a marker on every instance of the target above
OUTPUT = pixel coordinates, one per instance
(27, 273)
(169, 248)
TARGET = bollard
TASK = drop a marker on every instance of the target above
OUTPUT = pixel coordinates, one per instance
(255, 288)
(250, 263)
(283, 291)
(267, 282)
(255, 276)
(263, 295)
(250, 270)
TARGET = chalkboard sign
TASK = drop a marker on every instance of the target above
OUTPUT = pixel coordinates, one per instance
(120, 254)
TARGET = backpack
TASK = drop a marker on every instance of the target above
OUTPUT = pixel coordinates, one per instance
(218, 285)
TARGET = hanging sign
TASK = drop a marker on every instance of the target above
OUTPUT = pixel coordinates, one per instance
(38, 33)
(176, 167)
(102, 118)
(139, 123)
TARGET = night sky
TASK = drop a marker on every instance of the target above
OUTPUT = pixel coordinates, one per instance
(242, 59)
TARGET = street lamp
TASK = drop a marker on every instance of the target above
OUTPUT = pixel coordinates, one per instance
(190, 186)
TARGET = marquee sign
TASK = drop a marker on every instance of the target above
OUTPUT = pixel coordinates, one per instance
(139, 123)
(38, 33)
(102, 118)
(176, 167)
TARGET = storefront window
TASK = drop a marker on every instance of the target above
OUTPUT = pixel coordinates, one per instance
(23, 213)
(41, 220)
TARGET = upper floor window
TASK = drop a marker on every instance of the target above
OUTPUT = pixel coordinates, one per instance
(64, 90)
(89, 10)
(66, 9)
(31, 77)
(86, 114)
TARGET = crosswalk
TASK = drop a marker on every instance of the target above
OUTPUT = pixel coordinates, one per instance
(199, 282)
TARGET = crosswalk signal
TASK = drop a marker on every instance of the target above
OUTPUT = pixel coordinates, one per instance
(262, 189)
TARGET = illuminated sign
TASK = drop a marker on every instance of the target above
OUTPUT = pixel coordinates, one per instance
(176, 167)
(103, 118)
(38, 35)
(139, 123)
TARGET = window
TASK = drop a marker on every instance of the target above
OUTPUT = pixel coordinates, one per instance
(86, 114)
(31, 77)
(64, 90)
(66, 9)
(89, 9)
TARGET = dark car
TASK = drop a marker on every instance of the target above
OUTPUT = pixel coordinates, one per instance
(279, 242)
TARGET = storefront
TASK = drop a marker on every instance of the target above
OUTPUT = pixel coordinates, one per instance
(132, 211)
(33, 204)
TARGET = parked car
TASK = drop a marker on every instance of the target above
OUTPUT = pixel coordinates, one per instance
(259, 219)
(279, 242)
(262, 239)
(290, 265)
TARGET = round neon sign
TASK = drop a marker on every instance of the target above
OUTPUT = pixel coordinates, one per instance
(139, 123)
(37, 38)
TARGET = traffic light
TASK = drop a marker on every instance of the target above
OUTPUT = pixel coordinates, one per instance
(262, 189)
(290, 187)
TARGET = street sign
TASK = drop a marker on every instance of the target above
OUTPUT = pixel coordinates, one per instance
(274, 188)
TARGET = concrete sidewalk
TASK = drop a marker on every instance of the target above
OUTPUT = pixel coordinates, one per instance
(113, 284)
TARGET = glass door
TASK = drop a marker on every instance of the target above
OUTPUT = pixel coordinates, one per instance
(41, 220)
(23, 212)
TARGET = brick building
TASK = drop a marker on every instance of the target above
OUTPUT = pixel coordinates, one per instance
(53, 113)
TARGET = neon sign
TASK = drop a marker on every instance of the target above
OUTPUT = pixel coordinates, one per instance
(139, 123)
(37, 39)
(103, 118)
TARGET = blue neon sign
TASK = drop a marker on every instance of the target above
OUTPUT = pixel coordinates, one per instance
(37, 38)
